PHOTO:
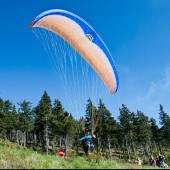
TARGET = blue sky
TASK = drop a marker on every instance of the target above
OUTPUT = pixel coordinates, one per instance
(137, 33)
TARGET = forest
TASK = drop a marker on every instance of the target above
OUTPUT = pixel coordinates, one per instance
(48, 127)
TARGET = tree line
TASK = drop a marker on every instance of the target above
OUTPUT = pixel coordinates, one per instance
(49, 125)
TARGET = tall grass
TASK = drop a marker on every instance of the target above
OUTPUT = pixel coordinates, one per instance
(14, 157)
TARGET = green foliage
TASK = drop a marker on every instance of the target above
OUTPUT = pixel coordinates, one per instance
(60, 119)
(142, 129)
(90, 117)
(107, 127)
(25, 116)
(49, 126)
(42, 112)
(167, 156)
(13, 158)
(165, 122)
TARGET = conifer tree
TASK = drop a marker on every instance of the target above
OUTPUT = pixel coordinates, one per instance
(108, 126)
(43, 111)
(2, 116)
(156, 136)
(165, 125)
(126, 119)
(143, 128)
(91, 117)
(25, 120)
(62, 124)
(7, 122)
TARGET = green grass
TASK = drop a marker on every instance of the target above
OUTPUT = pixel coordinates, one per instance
(13, 157)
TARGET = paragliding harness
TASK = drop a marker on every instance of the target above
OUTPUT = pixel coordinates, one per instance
(86, 146)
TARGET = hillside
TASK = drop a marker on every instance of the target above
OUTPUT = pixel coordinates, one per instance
(12, 157)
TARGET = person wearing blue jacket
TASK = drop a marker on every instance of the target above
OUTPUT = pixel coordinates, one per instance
(88, 139)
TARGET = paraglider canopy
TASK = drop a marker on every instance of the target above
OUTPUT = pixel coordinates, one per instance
(82, 37)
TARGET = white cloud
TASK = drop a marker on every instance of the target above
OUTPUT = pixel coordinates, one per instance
(152, 90)
(158, 88)
(166, 79)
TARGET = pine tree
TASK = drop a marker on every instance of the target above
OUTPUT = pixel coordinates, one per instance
(26, 122)
(43, 111)
(7, 122)
(156, 135)
(143, 128)
(62, 124)
(90, 117)
(1, 108)
(106, 129)
(2, 116)
(58, 118)
(106, 123)
(126, 119)
(165, 125)
(15, 124)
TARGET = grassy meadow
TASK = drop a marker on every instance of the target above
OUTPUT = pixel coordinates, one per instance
(15, 157)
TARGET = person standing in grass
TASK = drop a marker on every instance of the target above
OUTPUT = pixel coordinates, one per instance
(152, 161)
(88, 143)
(138, 161)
